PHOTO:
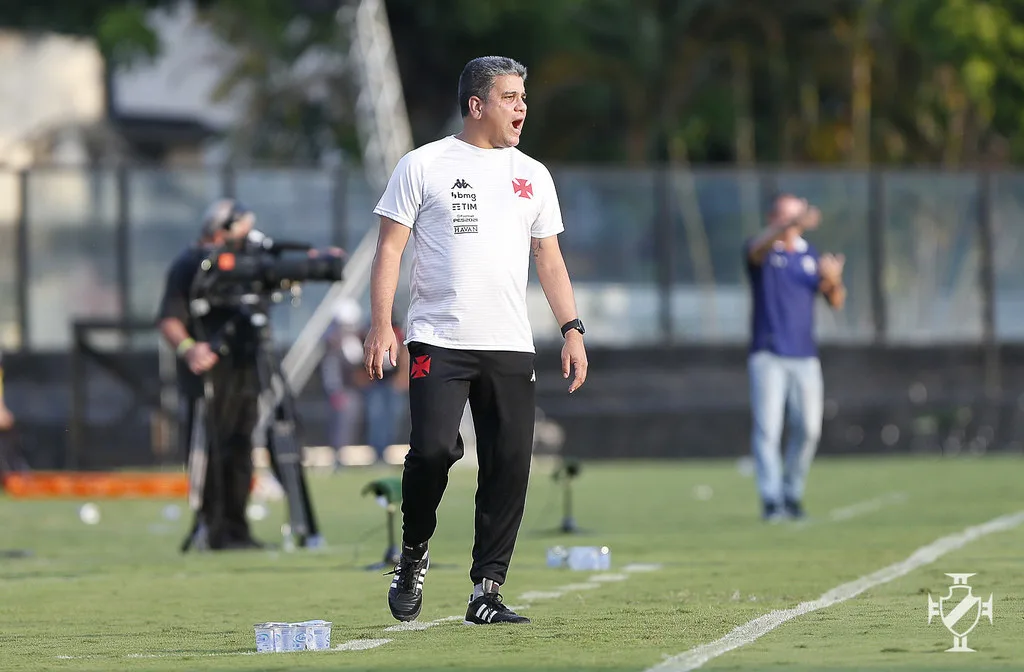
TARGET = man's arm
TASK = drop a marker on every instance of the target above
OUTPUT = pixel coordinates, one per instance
(387, 265)
(173, 314)
(554, 280)
(831, 285)
(175, 334)
(834, 292)
(758, 248)
(174, 308)
(761, 244)
(835, 295)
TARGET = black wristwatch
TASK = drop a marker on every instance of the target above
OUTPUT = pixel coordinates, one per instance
(576, 324)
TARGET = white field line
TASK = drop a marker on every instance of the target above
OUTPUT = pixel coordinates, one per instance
(536, 595)
(352, 645)
(867, 506)
(594, 581)
(421, 625)
(360, 644)
(749, 632)
(144, 656)
(844, 513)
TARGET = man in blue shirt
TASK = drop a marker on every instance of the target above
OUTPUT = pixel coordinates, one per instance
(786, 275)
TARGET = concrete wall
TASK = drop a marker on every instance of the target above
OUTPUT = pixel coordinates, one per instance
(640, 403)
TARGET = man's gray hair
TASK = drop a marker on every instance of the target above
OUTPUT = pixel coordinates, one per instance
(479, 74)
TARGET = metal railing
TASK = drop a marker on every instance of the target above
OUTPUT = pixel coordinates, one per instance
(655, 255)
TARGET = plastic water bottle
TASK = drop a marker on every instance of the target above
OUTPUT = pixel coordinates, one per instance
(287, 540)
(590, 558)
(557, 556)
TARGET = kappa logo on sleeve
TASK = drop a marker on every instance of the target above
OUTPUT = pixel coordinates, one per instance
(420, 366)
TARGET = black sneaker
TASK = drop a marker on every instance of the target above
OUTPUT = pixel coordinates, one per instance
(771, 512)
(794, 509)
(405, 597)
(488, 609)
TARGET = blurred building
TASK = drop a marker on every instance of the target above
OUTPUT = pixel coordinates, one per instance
(53, 92)
(62, 107)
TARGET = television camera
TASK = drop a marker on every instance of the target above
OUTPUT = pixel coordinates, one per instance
(260, 268)
(247, 278)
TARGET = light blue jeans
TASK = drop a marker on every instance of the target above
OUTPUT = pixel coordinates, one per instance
(784, 391)
(383, 412)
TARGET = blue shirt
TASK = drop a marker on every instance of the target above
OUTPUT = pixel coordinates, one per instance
(783, 289)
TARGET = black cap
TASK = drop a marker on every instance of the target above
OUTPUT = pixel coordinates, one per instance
(221, 214)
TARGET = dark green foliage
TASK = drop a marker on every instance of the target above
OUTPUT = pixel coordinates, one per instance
(710, 81)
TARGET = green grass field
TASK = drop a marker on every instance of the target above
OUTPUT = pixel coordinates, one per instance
(118, 595)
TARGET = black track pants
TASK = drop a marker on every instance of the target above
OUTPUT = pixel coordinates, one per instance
(218, 432)
(500, 390)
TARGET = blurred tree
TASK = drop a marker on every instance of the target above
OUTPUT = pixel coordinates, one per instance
(288, 59)
(434, 40)
(644, 58)
(728, 81)
(964, 62)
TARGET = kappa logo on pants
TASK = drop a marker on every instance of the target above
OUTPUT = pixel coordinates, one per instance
(420, 366)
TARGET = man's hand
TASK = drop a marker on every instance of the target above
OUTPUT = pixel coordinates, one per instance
(6, 418)
(810, 219)
(830, 266)
(574, 357)
(200, 358)
(381, 342)
(790, 213)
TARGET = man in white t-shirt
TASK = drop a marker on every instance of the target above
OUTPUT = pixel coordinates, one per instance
(478, 208)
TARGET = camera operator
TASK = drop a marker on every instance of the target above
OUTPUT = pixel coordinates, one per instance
(6, 417)
(219, 393)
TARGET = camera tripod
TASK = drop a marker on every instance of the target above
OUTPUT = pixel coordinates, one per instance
(281, 441)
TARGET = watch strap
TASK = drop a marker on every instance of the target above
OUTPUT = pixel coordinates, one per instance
(576, 324)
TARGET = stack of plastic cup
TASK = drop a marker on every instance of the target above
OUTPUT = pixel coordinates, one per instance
(265, 637)
(293, 637)
(318, 635)
(279, 637)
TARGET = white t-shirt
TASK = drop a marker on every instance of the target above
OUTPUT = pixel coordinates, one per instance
(473, 213)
